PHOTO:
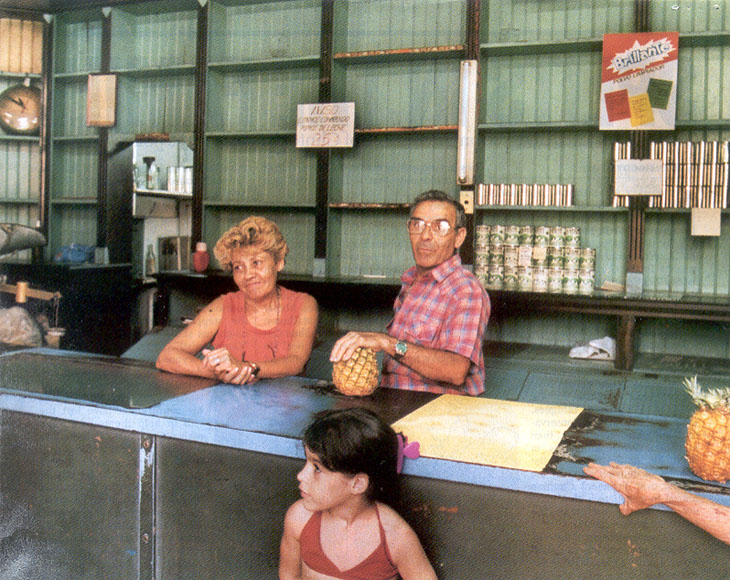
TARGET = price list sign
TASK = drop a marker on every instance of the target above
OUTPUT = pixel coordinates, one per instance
(322, 125)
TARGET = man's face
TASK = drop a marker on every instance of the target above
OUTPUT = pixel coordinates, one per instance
(430, 249)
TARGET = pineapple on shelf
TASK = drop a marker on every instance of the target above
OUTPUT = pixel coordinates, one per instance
(358, 375)
(708, 432)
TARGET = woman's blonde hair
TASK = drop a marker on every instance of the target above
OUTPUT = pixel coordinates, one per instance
(254, 231)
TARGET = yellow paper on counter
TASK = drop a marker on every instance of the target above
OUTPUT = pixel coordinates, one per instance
(488, 431)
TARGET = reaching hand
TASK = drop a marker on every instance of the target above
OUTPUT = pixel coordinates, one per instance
(639, 488)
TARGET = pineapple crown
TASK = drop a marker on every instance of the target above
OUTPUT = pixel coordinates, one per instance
(710, 398)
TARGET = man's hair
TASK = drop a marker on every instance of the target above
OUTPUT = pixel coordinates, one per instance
(438, 195)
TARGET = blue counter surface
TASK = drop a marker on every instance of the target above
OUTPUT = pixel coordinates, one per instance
(269, 417)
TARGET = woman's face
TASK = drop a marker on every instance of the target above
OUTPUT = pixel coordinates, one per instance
(255, 271)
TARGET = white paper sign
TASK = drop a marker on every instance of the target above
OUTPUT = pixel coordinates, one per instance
(325, 125)
(638, 177)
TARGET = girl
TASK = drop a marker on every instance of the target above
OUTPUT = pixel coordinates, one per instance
(344, 527)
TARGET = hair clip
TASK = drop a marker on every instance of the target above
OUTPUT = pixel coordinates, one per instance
(406, 449)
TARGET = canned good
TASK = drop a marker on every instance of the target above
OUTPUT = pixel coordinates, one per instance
(586, 281)
(510, 278)
(570, 282)
(572, 258)
(572, 237)
(555, 280)
(555, 257)
(588, 259)
(482, 235)
(495, 277)
(512, 235)
(526, 236)
(557, 236)
(511, 255)
(539, 279)
(496, 254)
(481, 258)
(524, 255)
(539, 255)
(542, 236)
(496, 235)
(524, 278)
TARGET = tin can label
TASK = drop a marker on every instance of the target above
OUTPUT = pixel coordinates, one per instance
(572, 237)
(542, 236)
(540, 279)
(555, 280)
(557, 236)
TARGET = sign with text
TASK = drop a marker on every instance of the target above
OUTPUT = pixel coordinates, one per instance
(322, 125)
(639, 177)
(639, 81)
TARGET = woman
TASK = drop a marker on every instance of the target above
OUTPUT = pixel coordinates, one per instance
(261, 331)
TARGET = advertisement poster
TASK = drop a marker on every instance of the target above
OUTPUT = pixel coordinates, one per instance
(639, 81)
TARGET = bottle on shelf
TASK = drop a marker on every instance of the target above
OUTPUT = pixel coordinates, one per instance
(152, 173)
(150, 263)
(201, 259)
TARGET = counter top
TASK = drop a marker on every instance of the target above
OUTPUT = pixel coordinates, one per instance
(270, 416)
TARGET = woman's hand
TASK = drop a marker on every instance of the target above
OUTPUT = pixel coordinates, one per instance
(227, 369)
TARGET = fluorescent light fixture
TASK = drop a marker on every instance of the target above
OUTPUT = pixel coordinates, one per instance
(467, 122)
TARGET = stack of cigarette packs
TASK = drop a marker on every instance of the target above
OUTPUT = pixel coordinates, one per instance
(695, 173)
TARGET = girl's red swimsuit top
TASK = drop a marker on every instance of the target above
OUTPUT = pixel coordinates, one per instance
(377, 566)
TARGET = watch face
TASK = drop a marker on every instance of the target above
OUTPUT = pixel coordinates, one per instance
(20, 110)
(400, 348)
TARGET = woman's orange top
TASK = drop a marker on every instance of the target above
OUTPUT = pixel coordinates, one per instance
(248, 343)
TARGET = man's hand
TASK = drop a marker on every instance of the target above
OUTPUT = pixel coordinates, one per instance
(639, 488)
(346, 346)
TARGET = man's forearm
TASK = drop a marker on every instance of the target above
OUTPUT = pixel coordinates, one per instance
(434, 364)
(708, 515)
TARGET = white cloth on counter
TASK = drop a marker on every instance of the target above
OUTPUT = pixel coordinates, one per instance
(597, 349)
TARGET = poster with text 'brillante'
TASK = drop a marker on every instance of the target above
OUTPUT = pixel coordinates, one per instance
(639, 81)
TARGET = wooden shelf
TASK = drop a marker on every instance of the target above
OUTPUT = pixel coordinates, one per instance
(264, 64)
(27, 138)
(369, 206)
(396, 54)
(74, 201)
(541, 47)
(419, 129)
(18, 201)
(215, 203)
(552, 208)
(168, 71)
(540, 126)
(250, 134)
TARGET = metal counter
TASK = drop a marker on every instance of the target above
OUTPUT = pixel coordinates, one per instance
(121, 471)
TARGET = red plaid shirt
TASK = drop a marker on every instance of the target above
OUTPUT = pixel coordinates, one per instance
(448, 309)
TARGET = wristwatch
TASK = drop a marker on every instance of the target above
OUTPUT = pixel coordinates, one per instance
(401, 348)
(254, 368)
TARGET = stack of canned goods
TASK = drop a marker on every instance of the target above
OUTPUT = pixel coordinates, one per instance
(534, 259)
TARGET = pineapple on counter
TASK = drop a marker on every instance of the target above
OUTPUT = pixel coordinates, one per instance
(358, 375)
(708, 432)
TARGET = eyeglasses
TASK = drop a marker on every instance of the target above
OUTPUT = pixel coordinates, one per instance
(441, 228)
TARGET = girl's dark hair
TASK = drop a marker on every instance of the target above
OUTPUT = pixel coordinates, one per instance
(353, 441)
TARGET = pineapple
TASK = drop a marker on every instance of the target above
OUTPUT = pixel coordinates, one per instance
(358, 375)
(708, 432)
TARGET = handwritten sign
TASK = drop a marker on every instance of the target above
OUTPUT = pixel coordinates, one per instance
(325, 125)
(639, 177)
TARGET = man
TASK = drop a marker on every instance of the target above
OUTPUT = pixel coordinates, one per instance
(434, 342)
(641, 489)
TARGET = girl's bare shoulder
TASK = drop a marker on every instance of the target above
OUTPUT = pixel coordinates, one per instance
(297, 516)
